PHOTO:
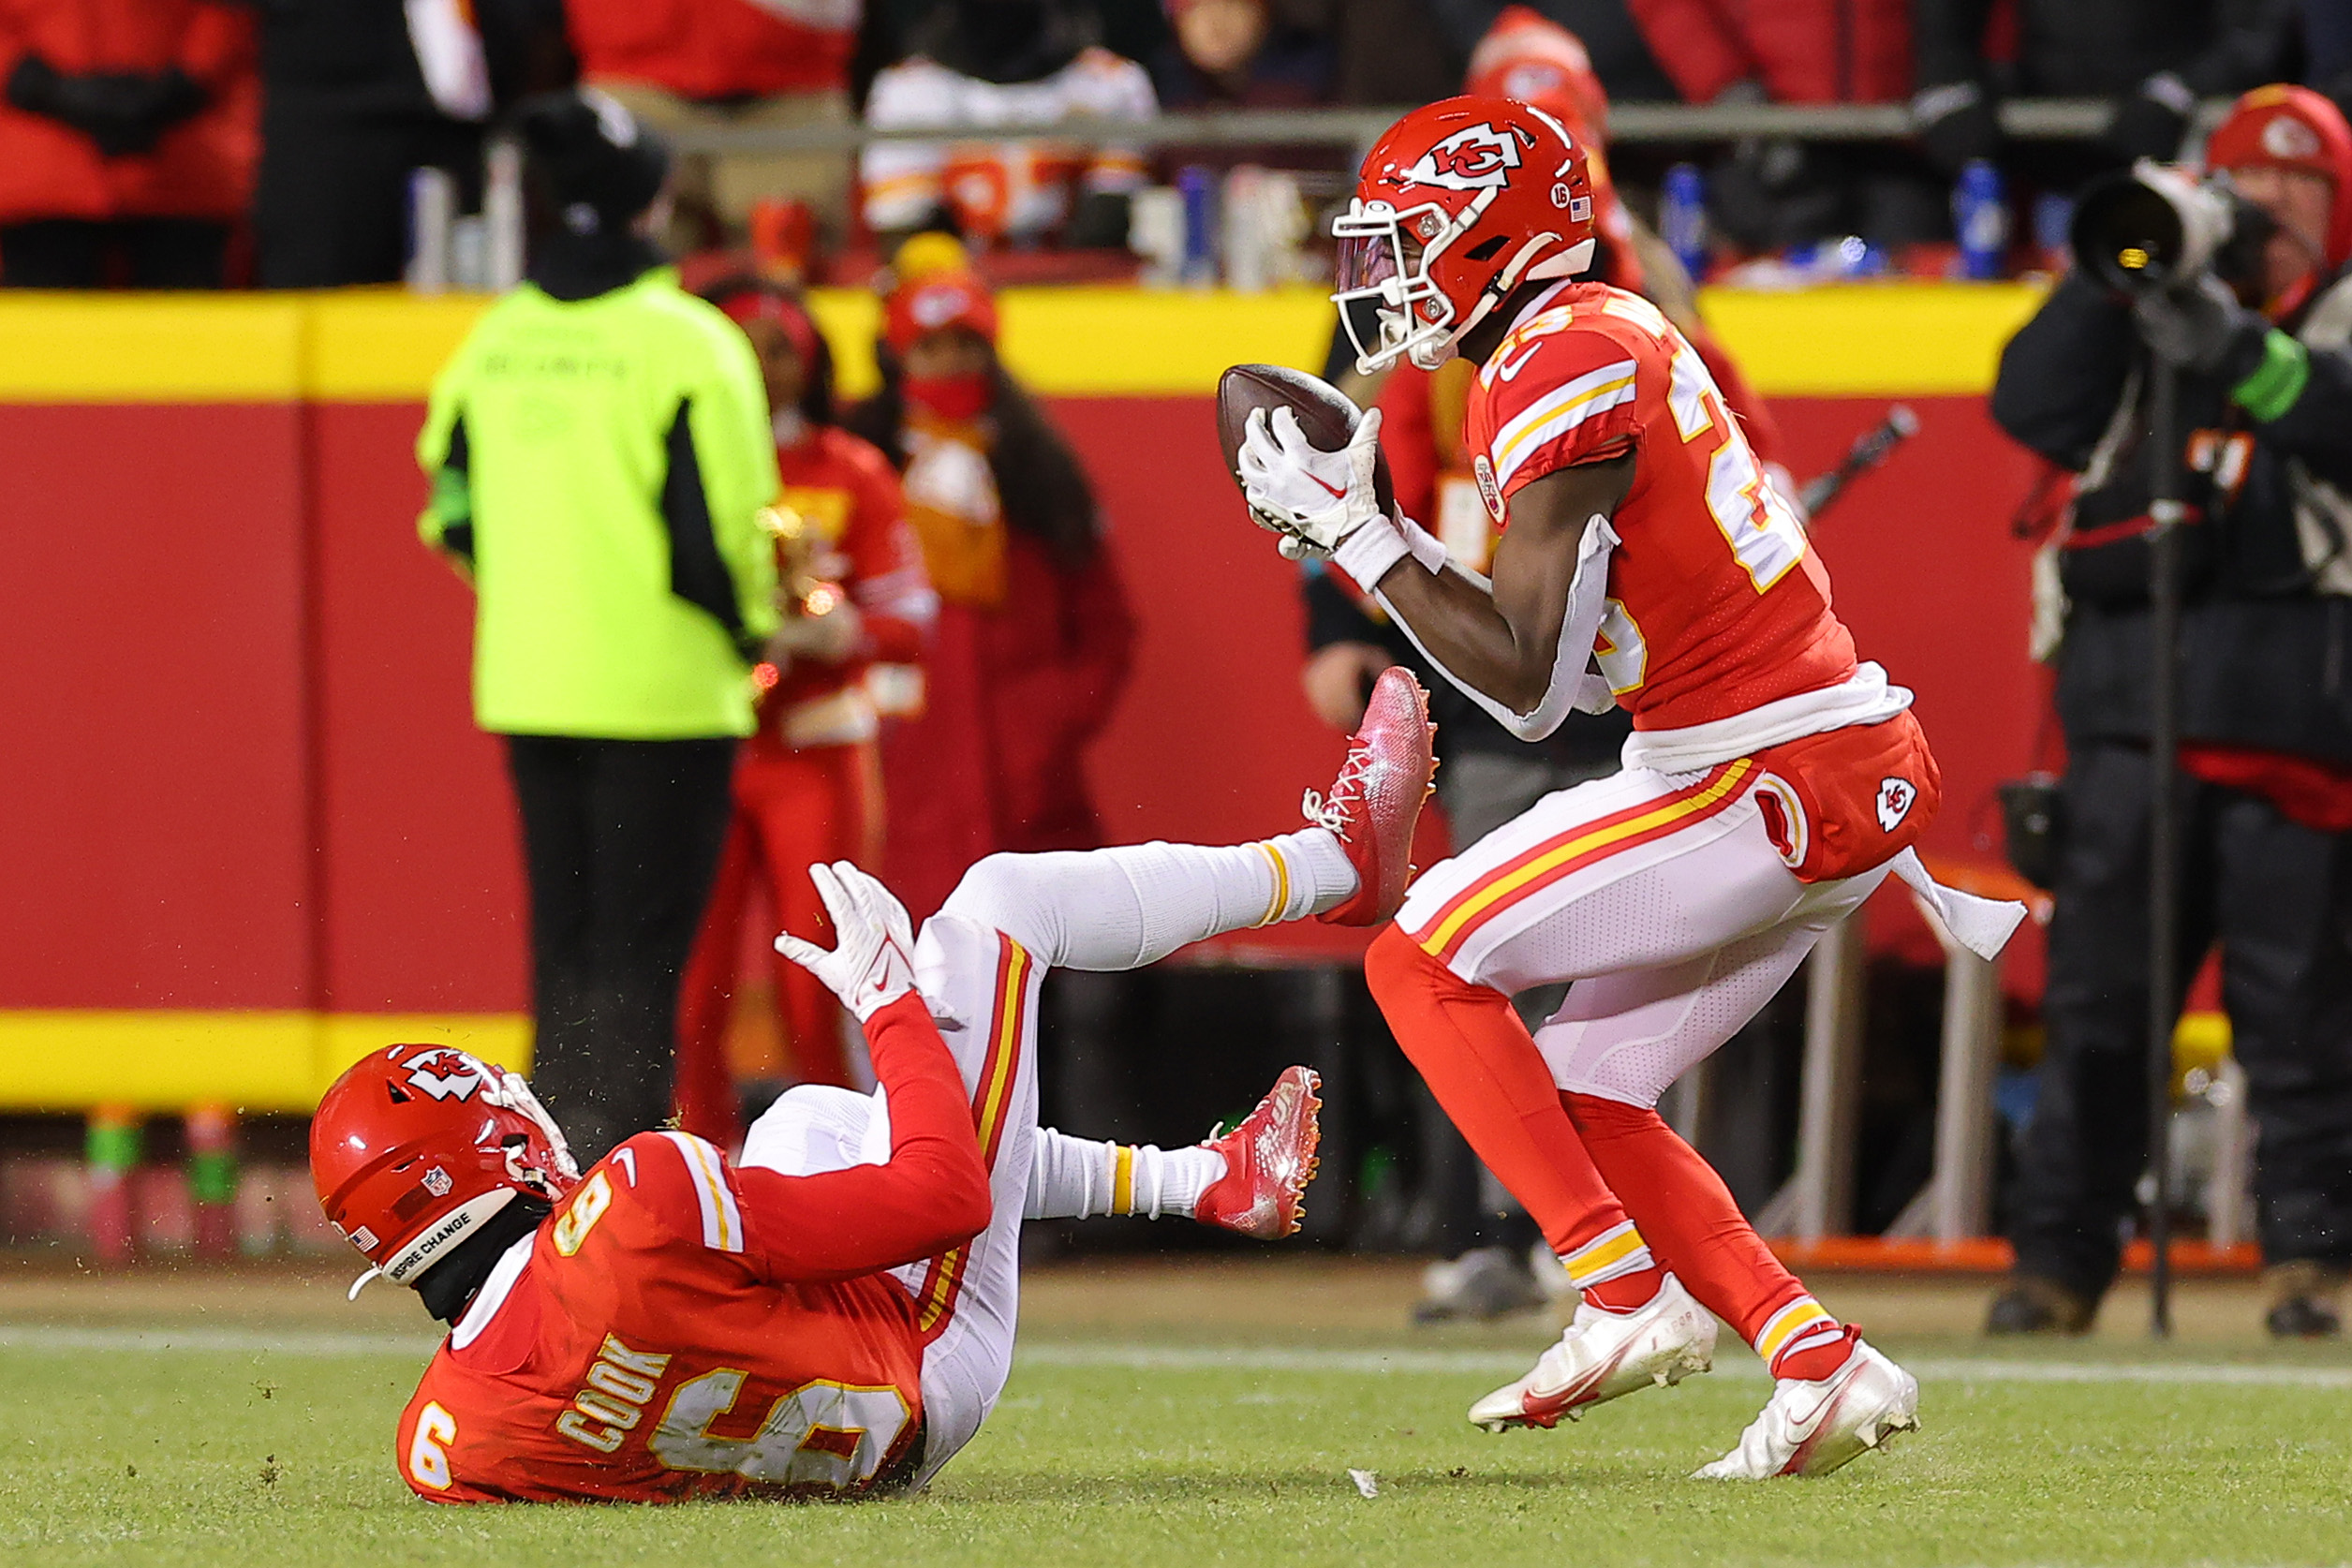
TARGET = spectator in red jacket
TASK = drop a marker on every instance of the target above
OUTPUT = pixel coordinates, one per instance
(731, 64)
(1034, 637)
(127, 140)
(1772, 193)
(1784, 50)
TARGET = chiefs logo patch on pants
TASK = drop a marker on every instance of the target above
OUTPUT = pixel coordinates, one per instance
(1841, 804)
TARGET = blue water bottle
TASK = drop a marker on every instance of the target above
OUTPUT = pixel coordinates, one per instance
(1980, 217)
(1683, 217)
(1198, 187)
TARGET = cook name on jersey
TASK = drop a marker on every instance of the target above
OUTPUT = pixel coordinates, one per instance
(649, 1351)
(1716, 601)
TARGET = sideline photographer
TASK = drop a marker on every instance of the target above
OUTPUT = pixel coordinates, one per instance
(2250, 306)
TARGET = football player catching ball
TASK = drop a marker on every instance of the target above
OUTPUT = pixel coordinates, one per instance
(831, 1314)
(1770, 784)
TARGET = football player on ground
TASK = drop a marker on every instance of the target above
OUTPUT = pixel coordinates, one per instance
(832, 1314)
(1770, 784)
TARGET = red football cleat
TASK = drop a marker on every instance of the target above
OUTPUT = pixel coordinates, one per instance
(1270, 1159)
(1376, 800)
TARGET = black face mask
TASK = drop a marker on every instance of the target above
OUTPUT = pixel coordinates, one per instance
(449, 1286)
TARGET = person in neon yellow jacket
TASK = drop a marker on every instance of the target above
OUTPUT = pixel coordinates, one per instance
(598, 450)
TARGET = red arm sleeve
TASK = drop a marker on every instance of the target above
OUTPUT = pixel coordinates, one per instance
(932, 1194)
(1695, 44)
(1755, 418)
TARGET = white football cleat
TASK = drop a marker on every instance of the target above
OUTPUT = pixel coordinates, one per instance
(1603, 1355)
(1811, 1429)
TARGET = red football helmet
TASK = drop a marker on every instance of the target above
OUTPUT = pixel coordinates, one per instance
(416, 1146)
(1491, 192)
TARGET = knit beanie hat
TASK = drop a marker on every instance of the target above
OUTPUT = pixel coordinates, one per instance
(598, 166)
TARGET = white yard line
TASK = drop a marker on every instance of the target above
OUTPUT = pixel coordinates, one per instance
(1117, 1356)
(1493, 1363)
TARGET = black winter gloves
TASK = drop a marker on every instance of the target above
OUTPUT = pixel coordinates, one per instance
(124, 112)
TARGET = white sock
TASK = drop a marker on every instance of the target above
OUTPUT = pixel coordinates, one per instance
(1123, 908)
(1316, 858)
(1077, 1178)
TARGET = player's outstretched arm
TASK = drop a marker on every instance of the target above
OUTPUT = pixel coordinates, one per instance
(932, 1193)
(1522, 640)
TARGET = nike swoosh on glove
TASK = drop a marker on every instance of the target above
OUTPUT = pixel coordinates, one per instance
(873, 965)
(1295, 488)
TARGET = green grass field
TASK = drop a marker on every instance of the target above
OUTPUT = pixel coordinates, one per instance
(1153, 1448)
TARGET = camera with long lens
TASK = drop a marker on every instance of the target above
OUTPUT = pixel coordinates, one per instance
(2155, 226)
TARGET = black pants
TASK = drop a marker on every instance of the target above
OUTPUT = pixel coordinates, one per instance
(73, 253)
(331, 196)
(621, 840)
(2279, 899)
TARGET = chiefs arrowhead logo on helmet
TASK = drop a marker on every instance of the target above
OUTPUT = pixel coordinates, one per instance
(446, 1074)
(415, 1145)
(1471, 159)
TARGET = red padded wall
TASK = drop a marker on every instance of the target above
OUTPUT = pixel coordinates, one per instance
(154, 835)
(424, 897)
(168, 796)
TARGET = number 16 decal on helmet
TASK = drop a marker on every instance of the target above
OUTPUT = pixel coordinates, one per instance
(1458, 205)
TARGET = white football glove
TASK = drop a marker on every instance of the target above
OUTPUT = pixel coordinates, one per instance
(1295, 488)
(874, 963)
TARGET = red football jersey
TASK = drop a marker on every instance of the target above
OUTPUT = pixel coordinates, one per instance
(849, 490)
(687, 1329)
(1716, 601)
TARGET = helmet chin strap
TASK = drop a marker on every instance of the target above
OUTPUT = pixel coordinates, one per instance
(1525, 268)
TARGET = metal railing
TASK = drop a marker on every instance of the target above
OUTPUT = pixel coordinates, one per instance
(1957, 1202)
(2025, 119)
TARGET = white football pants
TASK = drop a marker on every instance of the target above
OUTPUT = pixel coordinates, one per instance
(1661, 897)
(978, 962)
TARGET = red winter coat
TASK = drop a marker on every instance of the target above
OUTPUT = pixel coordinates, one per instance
(202, 168)
(995, 762)
(706, 49)
(1801, 51)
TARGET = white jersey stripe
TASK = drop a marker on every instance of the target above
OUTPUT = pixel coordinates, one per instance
(722, 1221)
(1521, 440)
(1560, 397)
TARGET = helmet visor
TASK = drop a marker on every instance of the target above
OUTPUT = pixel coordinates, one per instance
(1367, 260)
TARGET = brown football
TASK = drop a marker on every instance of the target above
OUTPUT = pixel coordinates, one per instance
(1323, 413)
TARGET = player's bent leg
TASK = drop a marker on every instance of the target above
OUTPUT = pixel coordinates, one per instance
(1614, 1047)
(981, 984)
(1251, 1180)
(1120, 909)
(1485, 1072)
(1636, 1327)
(1622, 873)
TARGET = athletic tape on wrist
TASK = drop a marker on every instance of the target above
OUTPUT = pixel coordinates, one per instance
(1371, 551)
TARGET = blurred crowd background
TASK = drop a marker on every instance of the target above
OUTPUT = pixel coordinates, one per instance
(279, 143)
